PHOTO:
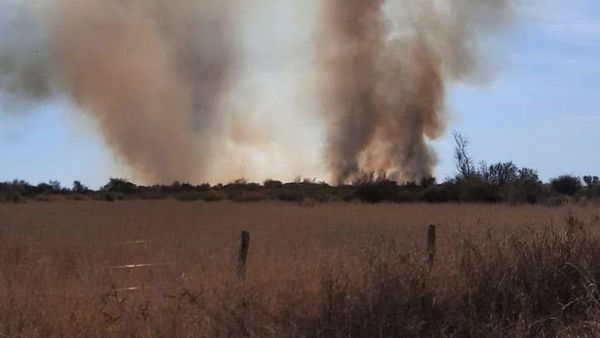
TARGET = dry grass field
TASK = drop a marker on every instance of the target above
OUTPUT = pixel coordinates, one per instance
(314, 270)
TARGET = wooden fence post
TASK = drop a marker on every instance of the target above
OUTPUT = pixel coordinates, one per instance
(431, 244)
(244, 246)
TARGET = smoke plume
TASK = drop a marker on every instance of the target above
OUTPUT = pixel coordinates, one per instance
(151, 73)
(175, 95)
(25, 68)
(384, 79)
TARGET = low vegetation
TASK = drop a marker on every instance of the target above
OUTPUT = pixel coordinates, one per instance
(328, 270)
(503, 182)
(498, 183)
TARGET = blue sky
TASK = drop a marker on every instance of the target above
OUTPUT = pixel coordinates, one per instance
(540, 107)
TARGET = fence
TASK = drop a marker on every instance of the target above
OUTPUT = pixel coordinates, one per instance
(244, 248)
(242, 257)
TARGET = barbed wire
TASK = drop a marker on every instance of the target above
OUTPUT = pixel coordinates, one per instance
(147, 265)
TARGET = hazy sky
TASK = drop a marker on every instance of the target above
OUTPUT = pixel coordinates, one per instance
(538, 103)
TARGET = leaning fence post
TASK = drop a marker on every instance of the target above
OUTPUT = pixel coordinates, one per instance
(431, 244)
(244, 246)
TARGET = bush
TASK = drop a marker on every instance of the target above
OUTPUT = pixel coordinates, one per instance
(566, 185)
(118, 185)
(376, 192)
(288, 195)
(475, 189)
(526, 192)
(436, 194)
(272, 184)
(11, 196)
(252, 196)
(502, 182)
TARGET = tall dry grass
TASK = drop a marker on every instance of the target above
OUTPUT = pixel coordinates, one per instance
(324, 270)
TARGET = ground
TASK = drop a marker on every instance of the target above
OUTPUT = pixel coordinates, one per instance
(161, 268)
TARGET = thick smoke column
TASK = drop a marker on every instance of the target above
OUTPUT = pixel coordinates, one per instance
(151, 72)
(158, 78)
(384, 79)
(351, 50)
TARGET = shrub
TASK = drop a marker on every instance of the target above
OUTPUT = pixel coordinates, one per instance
(272, 184)
(118, 185)
(475, 189)
(566, 185)
(79, 188)
(10, 196)
(523, 191)
(501, 173)
(212, 196)
(379, 191)
(591, 181)
(436, 194)
(288, 195)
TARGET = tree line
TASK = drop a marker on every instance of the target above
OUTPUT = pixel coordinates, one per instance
(502, 182)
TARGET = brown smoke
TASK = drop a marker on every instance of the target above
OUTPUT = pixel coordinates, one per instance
(151, 73)
(384, 79)
(156, 76)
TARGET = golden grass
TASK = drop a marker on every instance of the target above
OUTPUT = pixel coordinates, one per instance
(56, 280)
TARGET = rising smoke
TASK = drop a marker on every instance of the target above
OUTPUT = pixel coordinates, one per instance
(25, 66)
(157, 77)
(151, 73)
(384, 79)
